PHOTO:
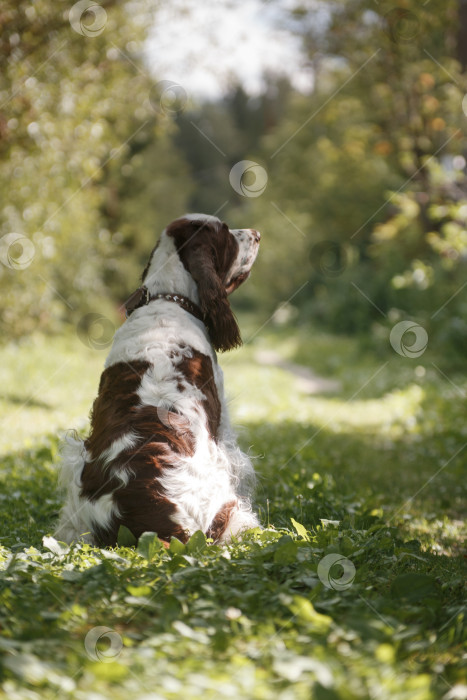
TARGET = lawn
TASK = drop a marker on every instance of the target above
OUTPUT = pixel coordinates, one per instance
(354, 589)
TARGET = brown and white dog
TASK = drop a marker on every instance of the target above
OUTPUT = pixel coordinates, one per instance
(161, 455)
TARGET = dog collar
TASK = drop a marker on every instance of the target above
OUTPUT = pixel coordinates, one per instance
(142, 297)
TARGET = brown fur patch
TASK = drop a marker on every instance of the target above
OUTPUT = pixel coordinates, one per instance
(118, 411)
(109, 414)
(220, 521)
(208, 250)
(198, 370)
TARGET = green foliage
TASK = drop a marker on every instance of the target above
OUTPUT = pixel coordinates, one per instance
(364, 212)
(75, 112)
(356, 479)
(367, 175)
(125, 537)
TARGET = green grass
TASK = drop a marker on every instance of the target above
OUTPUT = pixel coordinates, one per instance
(373, 474)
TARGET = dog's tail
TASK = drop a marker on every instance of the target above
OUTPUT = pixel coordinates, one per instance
(71, 525)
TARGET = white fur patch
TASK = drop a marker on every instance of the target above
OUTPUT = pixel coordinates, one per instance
(240, 520)
(119, 445)
(247, 252)
(79, 514)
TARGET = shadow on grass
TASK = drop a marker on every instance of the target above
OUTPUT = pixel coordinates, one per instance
(29, 498)
(310, 473)
(18, 400)
(305, 472)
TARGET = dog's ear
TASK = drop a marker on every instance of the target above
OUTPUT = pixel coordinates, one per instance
(218, 316)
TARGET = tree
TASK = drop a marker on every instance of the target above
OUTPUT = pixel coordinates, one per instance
(75, 105)
(371, 165)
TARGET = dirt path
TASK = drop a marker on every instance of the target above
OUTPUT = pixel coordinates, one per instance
(308, 381)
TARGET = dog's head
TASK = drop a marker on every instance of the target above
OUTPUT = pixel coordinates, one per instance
(219, 259)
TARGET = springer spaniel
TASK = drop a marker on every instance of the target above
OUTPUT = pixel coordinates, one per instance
(161, 455)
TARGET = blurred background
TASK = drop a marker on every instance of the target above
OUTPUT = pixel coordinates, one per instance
(337, 129)
(346, 118)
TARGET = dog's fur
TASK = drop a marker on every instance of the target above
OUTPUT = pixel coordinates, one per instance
(161, 455)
